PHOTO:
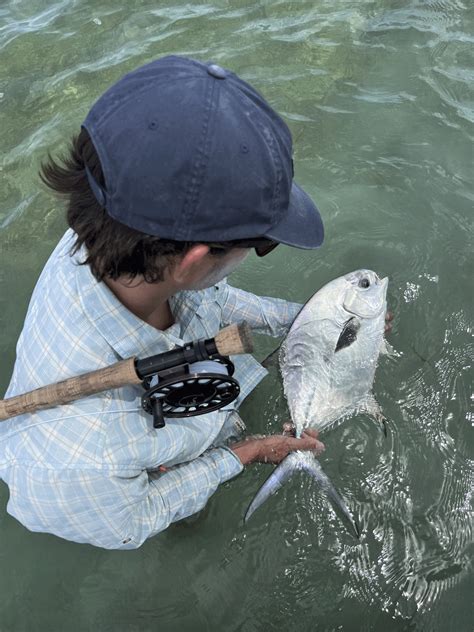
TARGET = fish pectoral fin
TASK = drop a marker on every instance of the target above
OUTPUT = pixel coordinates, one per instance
(373, 408)
(348, 334)
(280, 475)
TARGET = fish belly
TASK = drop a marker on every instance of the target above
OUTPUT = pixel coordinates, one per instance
(321, 390)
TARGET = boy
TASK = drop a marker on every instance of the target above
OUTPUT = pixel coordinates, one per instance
(180, 169)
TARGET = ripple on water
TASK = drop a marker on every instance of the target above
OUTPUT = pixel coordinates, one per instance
(390, 188)
(414, 548)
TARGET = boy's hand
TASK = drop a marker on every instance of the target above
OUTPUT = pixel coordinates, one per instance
(274, 448)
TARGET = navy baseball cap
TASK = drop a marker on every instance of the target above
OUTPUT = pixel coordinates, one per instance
(191, 152)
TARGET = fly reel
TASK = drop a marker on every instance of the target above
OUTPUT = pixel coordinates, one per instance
(190, 389)
(190, 380)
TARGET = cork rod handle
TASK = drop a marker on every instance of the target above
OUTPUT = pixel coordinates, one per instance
(113, 376)
(234, 339)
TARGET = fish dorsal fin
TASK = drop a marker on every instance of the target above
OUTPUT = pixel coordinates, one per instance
(272, 358)
(348, 334)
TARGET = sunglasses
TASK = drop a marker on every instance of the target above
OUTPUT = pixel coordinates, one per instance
(262, 246)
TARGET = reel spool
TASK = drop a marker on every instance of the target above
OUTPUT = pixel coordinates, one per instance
(190, 389)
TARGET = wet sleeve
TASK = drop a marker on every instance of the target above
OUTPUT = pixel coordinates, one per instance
(265, 315)
(183, 490)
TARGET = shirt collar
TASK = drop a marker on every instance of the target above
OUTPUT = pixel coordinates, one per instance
(184, 306)
(127, 334)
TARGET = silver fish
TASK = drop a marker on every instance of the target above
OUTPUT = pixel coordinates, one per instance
(328, 361)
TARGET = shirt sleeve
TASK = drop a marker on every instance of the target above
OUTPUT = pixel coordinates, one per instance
(183, 490)
(265, 315)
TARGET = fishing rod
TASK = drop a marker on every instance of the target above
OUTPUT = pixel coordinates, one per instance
(190, 380)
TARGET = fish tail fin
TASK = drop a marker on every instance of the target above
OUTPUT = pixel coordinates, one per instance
(284, 471)
(316, 471)
(280, 475)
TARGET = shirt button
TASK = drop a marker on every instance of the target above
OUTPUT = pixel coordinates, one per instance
(216, 71)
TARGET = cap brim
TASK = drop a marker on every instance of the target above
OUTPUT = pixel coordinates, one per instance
(302, 225)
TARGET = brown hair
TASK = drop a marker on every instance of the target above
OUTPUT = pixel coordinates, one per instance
(113, 249)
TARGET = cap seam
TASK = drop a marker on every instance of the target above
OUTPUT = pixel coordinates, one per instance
(199, 170)
(278, 166)
(270, 140)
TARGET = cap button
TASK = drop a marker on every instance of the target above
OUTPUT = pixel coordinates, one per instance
(216, 71)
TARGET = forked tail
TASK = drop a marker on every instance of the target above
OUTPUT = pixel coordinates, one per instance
(283, 472)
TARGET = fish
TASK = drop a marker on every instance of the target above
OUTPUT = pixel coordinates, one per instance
(327, 362)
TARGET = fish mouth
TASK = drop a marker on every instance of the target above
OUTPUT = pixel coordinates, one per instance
(369, 300)
(382, 283)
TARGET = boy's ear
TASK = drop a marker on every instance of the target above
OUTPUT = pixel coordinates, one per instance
(190, 264)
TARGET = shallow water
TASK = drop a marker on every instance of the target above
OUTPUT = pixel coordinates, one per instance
(379, 97)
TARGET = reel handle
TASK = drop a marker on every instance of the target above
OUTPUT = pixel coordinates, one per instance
(157, 412)
(231, 340)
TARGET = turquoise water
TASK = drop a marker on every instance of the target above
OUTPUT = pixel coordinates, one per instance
(379, 97)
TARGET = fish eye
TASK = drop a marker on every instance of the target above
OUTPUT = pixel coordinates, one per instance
(365, 283)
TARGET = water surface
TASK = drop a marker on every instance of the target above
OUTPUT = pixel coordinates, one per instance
(379, 97)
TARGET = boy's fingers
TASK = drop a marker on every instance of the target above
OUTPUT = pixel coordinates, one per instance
(311, 433)
(311, 441)
(388, 322)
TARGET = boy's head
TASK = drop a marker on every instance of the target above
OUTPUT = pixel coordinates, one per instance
(175, 154)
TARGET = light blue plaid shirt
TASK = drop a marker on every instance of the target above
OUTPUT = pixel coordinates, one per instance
(88, 471)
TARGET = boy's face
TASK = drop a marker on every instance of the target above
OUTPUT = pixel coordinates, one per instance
(213, 268)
